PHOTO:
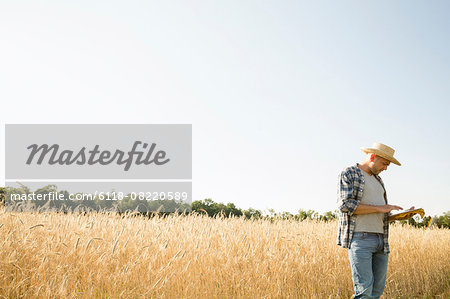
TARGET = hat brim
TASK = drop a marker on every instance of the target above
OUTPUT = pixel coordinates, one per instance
(381, 154)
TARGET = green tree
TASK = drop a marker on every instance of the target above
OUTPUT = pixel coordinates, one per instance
(444, 220)
(2, 195)
(212, 208)
(302, 215)
(252, 213)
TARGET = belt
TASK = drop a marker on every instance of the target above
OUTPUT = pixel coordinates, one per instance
(380, 234)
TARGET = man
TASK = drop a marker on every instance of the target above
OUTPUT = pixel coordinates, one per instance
(364, 220)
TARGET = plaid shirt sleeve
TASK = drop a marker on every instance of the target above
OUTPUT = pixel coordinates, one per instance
(349, 193)
(347, 202)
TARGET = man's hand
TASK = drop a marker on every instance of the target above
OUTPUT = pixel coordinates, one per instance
(388, 208)
(368, 209)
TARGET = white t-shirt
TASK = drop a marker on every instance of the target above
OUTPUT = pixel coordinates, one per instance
(373, 195)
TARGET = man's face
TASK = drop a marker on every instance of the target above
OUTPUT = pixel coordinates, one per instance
(378, 164)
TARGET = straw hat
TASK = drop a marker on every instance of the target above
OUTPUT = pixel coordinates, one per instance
(383, 151)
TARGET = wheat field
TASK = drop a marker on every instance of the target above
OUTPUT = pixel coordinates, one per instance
(51, 255)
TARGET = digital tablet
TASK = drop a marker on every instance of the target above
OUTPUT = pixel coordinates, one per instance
(407, 214)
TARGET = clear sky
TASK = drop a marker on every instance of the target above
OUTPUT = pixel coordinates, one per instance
(281, 94)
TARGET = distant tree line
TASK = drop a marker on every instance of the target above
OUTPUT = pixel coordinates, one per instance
(442, 221)
(214, 209)
(206, 206)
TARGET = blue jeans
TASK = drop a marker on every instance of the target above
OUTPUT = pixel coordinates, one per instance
(368, 263)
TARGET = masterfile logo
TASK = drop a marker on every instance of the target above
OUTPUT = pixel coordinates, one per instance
(67, 151)
(99, 167)
(68, 157)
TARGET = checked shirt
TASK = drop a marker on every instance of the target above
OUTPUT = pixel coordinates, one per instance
(350, 192)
